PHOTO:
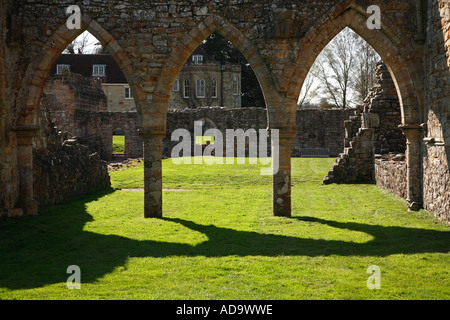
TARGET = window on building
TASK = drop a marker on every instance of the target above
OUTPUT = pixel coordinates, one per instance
(200, 88)
(197, 58)
(214, 88)
(176, 85)
(61, 67)
(128, 94)
(235, 85)
(99, 70)
(186, 88)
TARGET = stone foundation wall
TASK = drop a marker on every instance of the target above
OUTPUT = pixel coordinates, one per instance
(68, 172)
(391, 174)
(96, 128)
(436, 146)
(9, 181)
(63, 170)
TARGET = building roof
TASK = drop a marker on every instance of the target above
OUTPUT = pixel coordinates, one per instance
(82, 64)
(206, 57)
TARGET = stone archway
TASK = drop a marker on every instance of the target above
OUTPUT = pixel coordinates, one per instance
(277, 108)
(37, 74)
(397, 54)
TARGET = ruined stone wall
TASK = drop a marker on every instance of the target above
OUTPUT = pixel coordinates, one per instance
(436, 147)
(72, 92)
(63, 169)
(321, 129)
(315, 128)
(9, 175)
(391, 173)
(383, 101)
(377, 133)
(96, 128)
(67, 171)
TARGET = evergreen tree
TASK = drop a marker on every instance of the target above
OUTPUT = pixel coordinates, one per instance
(222, 50)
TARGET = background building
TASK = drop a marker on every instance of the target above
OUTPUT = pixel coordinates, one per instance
(202, 81)
(205, 82)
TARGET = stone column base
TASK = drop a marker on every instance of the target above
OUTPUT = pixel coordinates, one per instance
(414, 206)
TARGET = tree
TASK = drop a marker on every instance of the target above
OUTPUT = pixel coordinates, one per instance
(364, 72)
(222, 50)
(85, 43)
(344, 70)
(308, 92)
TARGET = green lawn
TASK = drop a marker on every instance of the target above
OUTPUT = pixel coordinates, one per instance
(219, 240)
(118, 144)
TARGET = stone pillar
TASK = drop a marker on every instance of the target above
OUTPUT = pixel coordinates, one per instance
(281, 183)
(413, 135)
(24, 136)
(152, 172)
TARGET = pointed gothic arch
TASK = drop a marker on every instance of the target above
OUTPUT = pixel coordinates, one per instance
(55, 45)
(396, 53)
(192, 39)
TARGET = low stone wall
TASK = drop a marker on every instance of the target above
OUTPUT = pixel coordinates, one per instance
(96, 130)
(316, 129)
(68, 172)
(391, 173)
(436, 181)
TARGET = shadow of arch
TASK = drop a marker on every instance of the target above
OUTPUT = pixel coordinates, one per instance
(395, 52)
(39, 70)
(41, 255)
(192, 39)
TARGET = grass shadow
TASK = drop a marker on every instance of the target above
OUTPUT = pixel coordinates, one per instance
(36, 251)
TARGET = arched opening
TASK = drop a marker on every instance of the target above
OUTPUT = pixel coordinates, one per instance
(216, 74)
(181, 66)
(215, 28)
(93, 100)
(86, 83)
(347, 85)
(342, 74)
(118, 143)
(374, 129)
